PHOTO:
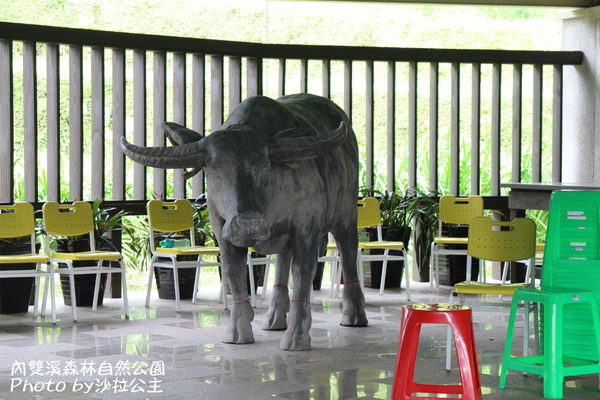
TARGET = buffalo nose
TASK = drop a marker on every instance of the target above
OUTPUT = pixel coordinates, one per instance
(246, 229)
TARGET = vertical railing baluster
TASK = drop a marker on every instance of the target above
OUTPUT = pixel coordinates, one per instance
(496, 128)
(536, 139)
(179, 113)
(303, 76)
(475, 128)
(348, 88)
(198, 112)
(30, 118)
(391, 127)
(412, 123)
(159, 102)
(281, 77)
(216, 92)
(75, 123)
(517, 123)
(140, 99)
(98, 135)
(434, 101)
(254, 76)
(235, 82)
(6, 122)
(557, 119)
(118, 122)
(455, 129)
(53, 122)
(369, 120)
(326, 78)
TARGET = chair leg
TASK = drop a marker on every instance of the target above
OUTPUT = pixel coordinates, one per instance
(407, 279)
(383, 272)
(176, 286)
(432, 262)
(52, 298)
(514, 309)
(252, 284)
(196, 281)
(73, 293)
(150, 276)
(124, 284)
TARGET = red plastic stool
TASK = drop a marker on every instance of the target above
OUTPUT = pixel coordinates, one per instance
(459, 317)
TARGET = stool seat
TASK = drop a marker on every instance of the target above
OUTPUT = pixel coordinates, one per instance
(459, 318)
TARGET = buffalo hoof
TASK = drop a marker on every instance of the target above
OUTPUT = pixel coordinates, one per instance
(356, 320)
(295, 342)
(275, 322)
(278, 309)
(239, 330)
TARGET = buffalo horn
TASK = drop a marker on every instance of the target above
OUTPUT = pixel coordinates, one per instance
(302, 148)
(184, 156)
(179, 134)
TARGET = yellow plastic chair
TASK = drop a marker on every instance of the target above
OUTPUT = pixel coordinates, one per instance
(569, 294)
(18, 221)
(500, 241)
(455, 211)
(369, 215)
(172, 217)
(76, 219)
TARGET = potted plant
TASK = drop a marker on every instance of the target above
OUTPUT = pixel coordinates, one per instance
(424, 210)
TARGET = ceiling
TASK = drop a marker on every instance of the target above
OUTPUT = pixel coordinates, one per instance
(521, 3)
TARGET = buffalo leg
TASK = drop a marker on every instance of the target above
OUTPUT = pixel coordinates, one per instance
(239, 329)
(279, 304)
(304, 267)
(353, 299)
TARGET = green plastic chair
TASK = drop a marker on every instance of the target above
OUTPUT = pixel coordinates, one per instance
(568, 295)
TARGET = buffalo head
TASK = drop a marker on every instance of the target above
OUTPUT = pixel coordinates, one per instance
(237, 163)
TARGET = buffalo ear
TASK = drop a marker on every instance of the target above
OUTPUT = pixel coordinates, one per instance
(285, 150)
(179, 134)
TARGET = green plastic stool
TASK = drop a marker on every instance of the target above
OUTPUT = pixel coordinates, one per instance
(551, 363)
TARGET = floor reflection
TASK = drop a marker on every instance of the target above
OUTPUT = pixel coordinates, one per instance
(181, 356)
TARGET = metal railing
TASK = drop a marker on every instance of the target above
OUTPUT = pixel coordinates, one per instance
(447, 121)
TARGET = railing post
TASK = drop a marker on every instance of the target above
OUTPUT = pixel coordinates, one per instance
(159, 100)
(139, 120)
(30, 118)
(53, 122)
(198, 111)
(75, 123)
(6, 122)
(98, 136)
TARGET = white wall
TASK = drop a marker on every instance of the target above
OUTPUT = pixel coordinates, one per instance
(581, 133)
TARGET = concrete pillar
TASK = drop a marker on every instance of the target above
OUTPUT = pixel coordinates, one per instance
(581, 101)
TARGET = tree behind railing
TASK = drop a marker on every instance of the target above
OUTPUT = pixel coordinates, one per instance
(449, 121)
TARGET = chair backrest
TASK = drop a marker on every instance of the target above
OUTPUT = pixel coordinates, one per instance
(460, 210)
(572, 260)
(369, 214)
(501, 240)
(174, 216)
(572, 251)
(68, 219)
(17, 220)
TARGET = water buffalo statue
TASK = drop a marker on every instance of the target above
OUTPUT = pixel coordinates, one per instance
(281, 174)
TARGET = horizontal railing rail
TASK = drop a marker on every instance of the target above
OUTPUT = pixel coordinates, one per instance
(447, 121)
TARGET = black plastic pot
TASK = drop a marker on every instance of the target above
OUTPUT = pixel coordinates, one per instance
(453, 268)
(15, 293)
(395, 269)
(84, 284)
